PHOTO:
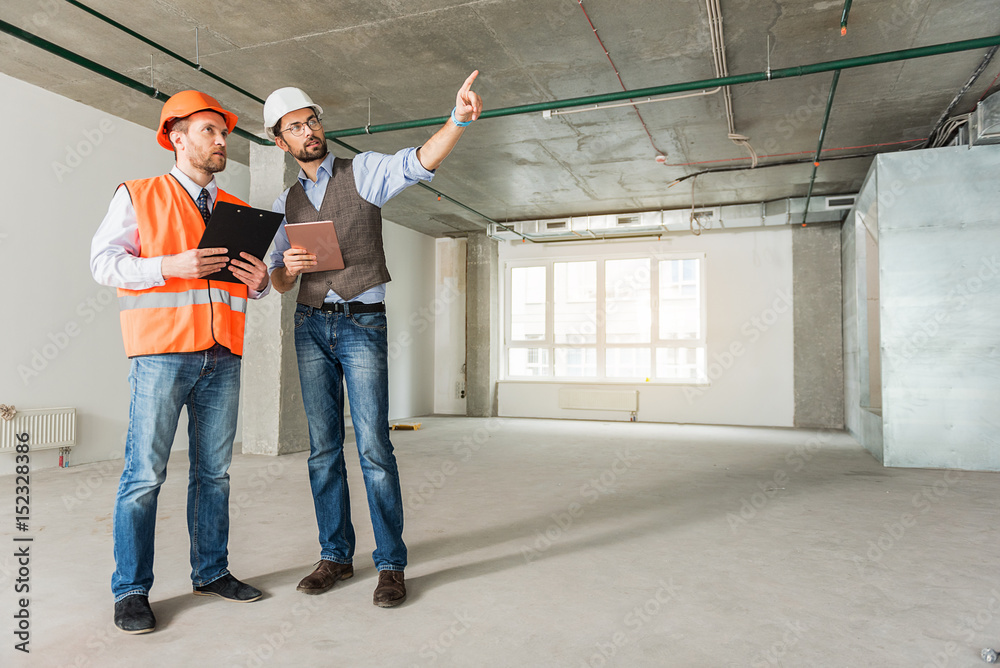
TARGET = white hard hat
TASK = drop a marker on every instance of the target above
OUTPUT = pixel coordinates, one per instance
(282, 101)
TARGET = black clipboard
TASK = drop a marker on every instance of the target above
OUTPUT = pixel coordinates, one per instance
(239, 229)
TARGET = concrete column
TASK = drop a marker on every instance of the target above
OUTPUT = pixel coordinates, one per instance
(482, 336)
(819, 351)
(274, 421)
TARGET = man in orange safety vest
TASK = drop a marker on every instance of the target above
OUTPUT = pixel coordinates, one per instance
(184, 335)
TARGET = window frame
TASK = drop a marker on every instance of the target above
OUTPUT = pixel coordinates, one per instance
(655, 341)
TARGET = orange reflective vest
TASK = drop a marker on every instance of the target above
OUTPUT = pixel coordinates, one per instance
(182, 315)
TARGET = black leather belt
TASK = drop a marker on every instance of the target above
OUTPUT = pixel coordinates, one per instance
(354, 307)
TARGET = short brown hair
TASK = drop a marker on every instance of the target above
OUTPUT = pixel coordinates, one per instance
(179, 125)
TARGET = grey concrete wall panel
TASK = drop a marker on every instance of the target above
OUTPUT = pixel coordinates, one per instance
(819, 372)
(482, 317)
(939, 227)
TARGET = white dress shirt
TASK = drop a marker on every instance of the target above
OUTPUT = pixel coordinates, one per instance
(114, 252)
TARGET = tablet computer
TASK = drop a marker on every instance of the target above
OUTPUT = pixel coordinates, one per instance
(239, 228)
(320, 239)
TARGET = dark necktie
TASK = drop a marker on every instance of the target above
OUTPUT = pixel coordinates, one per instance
(203, 204)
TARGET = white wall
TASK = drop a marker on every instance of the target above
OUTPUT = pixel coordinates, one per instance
(410, 306)
(749, 302)
(60, 335)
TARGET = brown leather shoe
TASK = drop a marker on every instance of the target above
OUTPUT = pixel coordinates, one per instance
(324, 577)
(391, 590)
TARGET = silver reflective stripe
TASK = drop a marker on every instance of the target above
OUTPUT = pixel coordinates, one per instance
(186, 298)
(237, 304)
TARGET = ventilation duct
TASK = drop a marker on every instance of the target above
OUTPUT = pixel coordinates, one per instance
(985, 122)
(824, 209)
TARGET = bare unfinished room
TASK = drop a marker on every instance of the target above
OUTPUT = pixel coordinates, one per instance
(690, 350)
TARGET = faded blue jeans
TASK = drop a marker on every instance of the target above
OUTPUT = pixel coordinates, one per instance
(208, 383)
(331, 348)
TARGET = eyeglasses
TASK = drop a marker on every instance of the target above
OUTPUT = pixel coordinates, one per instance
(296, 129)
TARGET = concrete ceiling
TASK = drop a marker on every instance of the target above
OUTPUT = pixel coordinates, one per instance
(410, 56)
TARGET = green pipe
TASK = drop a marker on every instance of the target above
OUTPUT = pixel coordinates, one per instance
(822, 136)
(826, 116)
(162, 48)
(784, 73)
(97, 68)
(441, 195)
(843, 20)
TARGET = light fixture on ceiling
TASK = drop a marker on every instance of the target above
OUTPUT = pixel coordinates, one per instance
(549, 113)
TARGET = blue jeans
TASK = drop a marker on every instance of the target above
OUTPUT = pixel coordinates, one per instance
(332, 347)
(208, 383)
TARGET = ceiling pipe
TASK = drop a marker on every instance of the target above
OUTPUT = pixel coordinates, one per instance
(154, 93)
(933, 140)
(97, 68)
(822, 136)
(782, 163)
(752, 77)
(722, 70)
(160, 47)
(843, 18)
(642, 121)
(441, 195)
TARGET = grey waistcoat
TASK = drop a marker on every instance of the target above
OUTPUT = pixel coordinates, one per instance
(359, 230)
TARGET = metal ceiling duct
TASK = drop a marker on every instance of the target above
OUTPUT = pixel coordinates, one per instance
(985, 122)
(824, 209)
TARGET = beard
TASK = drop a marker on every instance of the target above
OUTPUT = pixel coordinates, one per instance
(311, 153)
(209, 163)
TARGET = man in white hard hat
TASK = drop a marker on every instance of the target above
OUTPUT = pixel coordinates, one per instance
(340, 324)
(184, 335)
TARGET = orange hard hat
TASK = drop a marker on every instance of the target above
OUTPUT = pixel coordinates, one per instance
(182, 105)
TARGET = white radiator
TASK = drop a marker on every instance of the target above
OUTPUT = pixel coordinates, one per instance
(599, 400)
(46, 428)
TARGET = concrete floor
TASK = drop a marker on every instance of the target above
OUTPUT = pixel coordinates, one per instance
(548, 543)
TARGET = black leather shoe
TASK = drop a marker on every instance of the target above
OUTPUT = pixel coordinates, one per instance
(133, 614)
(326, 575)
(229, 588)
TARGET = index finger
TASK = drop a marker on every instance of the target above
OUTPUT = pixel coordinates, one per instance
(468, 82)
(211, 251)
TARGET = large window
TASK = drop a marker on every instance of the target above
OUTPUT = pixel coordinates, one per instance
(618, 319)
